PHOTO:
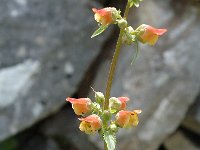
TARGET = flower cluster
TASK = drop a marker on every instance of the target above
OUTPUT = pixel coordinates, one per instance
(144, 33)
(98, 116)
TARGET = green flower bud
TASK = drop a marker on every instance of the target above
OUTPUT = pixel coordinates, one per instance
(113, 127)
(116, 14)
(95, 107)
(99, 97)
(128, 36)
(114, 104)
(122, 23)
(130, 30)
(106, 116)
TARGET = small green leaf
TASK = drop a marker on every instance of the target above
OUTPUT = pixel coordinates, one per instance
(110, 140)
(99, 31)
(135, 2)
(136, 53)
(130, 3)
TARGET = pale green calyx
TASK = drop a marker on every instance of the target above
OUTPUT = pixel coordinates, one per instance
(116, 14)
(106, 116)
(128, 36)
(99, 97)
(113, 127)
(129, 29)
(114, 104)
(122, 23)
(96, 108)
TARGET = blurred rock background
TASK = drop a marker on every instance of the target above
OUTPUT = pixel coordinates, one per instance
(46, 55)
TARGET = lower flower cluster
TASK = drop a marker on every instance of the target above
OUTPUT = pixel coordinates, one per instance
(101, 120)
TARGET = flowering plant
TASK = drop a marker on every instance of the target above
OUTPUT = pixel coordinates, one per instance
(98, 114)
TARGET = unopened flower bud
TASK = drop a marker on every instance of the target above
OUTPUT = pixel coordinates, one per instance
(106, 116)
(113, 127)
(122, 23)
(128, 36)
(114, 104)
(99, 97)
(130, 29)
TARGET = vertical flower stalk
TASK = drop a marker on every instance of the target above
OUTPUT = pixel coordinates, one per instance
(114, 61)
(113, 66)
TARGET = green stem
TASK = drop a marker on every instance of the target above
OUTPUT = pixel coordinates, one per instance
(113, 66)
(114, 62)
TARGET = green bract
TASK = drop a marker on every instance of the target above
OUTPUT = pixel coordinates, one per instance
(110, 140)
(99, 97)
(101, 29)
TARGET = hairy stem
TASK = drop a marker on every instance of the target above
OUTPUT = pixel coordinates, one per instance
(113, 66)
(114, 62)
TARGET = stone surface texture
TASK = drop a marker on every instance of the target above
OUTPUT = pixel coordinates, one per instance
(46, 52)
(179, 141)
(192, 118)
(43, 48)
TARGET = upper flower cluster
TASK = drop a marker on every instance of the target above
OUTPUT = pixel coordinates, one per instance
(144, 33)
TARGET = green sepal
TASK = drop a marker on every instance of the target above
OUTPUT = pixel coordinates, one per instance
(96, 108)
(136, 53)
(100, 30)
(99, 97)
(110, 140)
(106, 116)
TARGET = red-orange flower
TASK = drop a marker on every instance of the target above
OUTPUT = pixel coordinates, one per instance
(90, 124)
(150, 34)
(125, 119)
(80, 105)
(105, 16)
(123, 101)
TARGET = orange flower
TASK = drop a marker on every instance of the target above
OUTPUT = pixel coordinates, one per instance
(126, 119)
(149, 34)
(105, 16)
(80, 105)
(123, 101)
(90, 124)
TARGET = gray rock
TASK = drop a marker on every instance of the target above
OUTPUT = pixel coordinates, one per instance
(63, 128)
(45, 50)
(179, 141)
(192, 118)
(15, 81)
(164, 81)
